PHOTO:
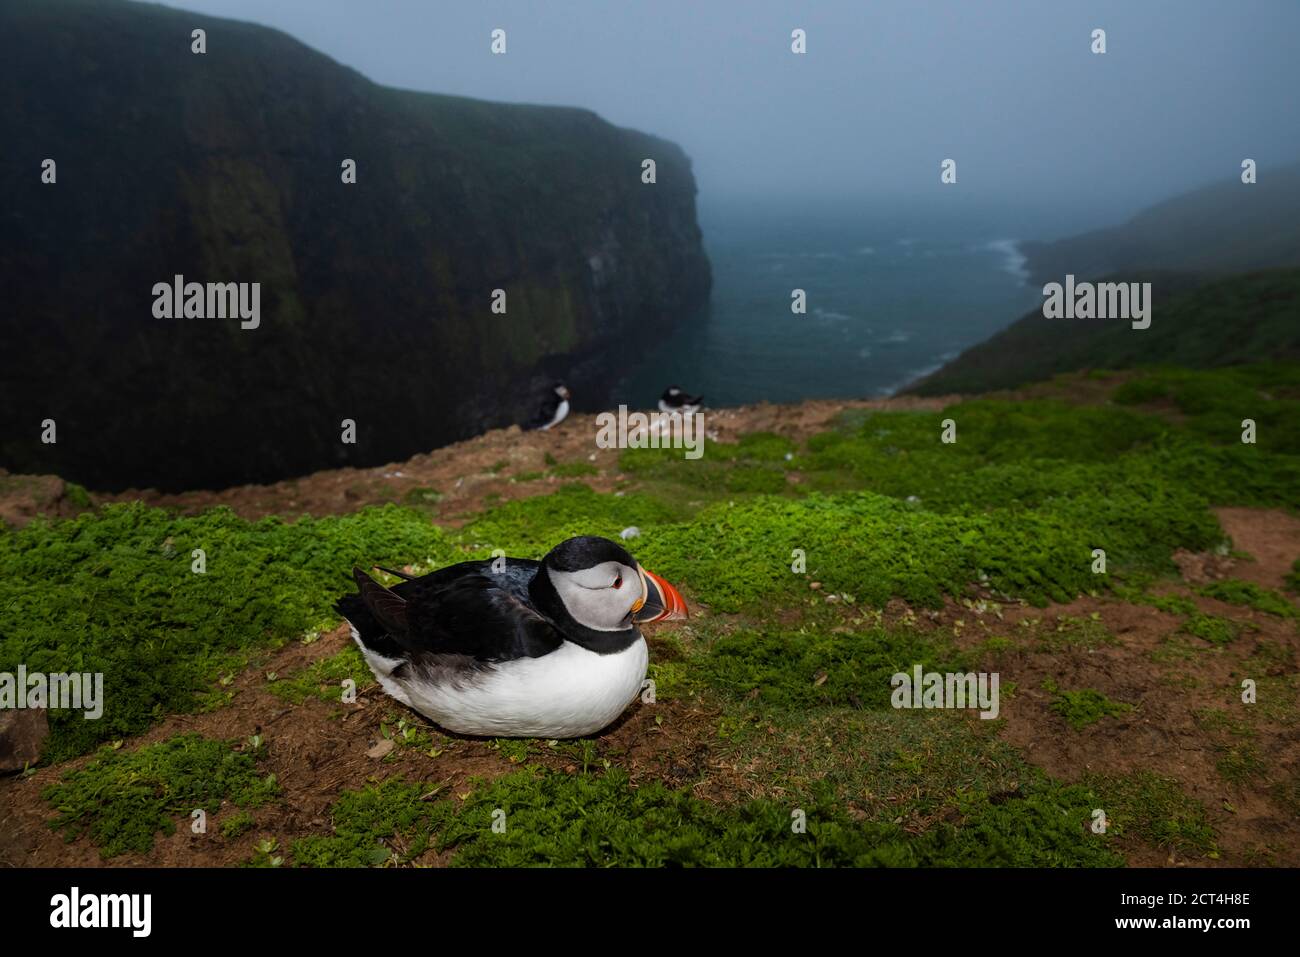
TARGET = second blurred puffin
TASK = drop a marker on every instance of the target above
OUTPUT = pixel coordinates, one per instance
(552, 409)
(675, 400)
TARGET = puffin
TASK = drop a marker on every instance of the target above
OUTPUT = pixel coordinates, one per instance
(509, 647)
(675, 400)
(552, 409)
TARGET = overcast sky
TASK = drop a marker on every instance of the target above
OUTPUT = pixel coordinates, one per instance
(888, 88)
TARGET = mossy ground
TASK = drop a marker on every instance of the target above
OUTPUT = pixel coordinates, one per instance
(122, 799)
(775, 698)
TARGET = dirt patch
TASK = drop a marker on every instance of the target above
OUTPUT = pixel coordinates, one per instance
(1174, 685)
(1271, 538)
(23, 497)
(1201, 568)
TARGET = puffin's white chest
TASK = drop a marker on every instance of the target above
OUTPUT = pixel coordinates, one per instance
(566, 694)
(667, 409)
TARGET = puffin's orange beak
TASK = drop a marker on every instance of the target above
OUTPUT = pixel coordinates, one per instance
(659, 602)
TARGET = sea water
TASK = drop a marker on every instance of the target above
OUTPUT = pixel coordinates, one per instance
(894, 290)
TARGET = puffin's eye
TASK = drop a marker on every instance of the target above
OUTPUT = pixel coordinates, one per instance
(618, 582)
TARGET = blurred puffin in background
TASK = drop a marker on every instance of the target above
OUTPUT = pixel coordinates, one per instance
(552, 409)
(675, 400)
(509, 647)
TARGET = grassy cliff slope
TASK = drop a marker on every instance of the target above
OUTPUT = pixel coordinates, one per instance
(1250, 318)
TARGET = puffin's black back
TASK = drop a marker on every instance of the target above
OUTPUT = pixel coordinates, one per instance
(680, 398)
(465, 609)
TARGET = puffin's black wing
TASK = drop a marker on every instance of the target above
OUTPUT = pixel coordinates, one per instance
(546, 410)
(462, 610)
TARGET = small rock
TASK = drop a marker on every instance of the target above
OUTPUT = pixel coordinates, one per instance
(22, 735)
(382, 748)
(815, 586)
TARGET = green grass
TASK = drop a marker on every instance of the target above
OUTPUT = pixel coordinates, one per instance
(122, 799)
(1211, 628)
(421, 497)
(1237, 592)
(1214, 404)
(113, 592)
(77, 495)
(800, 689)
(237, 824)
(530, 527)
(752, 466)
(363, 818)
(574, 470)
(1083, 706)
(876, 547)
(1156, 810)
(1240, 763)
(814, 668)
(324, 679)
(1241, 320)
(598, 819)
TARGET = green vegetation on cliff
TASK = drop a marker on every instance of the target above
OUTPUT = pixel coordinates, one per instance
(1243, 319)
(1224, 228)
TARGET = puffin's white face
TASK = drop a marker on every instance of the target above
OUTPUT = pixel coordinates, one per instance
(602, 597)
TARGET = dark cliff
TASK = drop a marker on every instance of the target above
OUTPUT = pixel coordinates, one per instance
(375, 297)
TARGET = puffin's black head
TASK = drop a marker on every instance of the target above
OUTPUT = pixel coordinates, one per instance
(586, 551)
(602, 588)
(561, 390)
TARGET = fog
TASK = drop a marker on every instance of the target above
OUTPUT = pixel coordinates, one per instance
(886, 90)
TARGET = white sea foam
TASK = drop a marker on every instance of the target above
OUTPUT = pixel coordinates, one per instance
(1013, 260)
